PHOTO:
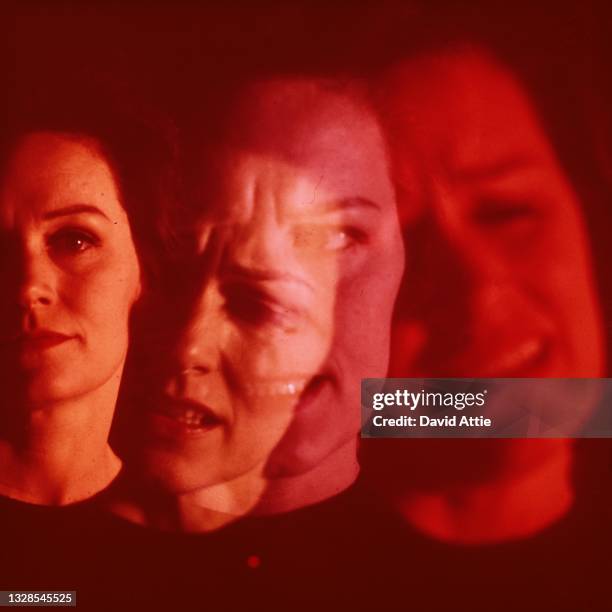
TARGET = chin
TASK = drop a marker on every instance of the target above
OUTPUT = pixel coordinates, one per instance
(297, 463)
(173, 480)
(43, 389)
(299, 459)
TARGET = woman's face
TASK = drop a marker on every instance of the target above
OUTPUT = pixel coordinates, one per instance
(499, 280)
(68, 269)
(297, 309)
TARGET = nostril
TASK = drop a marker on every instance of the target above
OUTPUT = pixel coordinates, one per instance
(178, 382)
(33, 297)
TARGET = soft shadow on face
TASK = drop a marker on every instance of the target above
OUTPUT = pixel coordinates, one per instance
(68, 269)
(499, 279)
(304, 257)
(496, 241)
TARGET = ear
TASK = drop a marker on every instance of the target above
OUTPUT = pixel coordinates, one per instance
(138, 288)
(140, 282)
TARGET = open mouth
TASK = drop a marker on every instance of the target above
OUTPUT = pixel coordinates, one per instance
(304, 391)
(190, 416)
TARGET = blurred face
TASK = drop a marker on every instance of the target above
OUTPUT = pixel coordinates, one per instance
(296, 307)
(68, 269)
(499, 280)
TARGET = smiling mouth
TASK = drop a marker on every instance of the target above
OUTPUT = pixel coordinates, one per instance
(532, 358)
(273, 388)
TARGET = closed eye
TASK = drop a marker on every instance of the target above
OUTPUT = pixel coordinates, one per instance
(252, 305)
(500, 213)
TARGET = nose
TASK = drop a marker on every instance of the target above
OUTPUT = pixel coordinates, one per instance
(36, 281)
(197, 351)
(262, 245)
(452, 272)
(468, 253)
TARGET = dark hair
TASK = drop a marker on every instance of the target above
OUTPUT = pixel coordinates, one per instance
(137, 143)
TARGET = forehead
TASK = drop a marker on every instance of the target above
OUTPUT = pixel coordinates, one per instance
(304, 145)
(48, 169)
(462, 109)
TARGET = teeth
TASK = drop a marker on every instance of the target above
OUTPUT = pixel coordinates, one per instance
(188, 416)
(271, 389)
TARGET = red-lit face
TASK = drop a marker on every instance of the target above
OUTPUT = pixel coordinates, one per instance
(69, 270)
(499, 279)
(297, 308)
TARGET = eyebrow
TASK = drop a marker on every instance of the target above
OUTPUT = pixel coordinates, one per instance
(76, 209)
(355, 203)
(496, 168)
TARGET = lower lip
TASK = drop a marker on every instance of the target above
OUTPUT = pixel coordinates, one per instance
(168, 427)
(42, 343)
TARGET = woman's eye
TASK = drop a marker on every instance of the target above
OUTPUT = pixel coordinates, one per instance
(254, 312)
(338, 240)
(501, 214)
(248, 304)
(72, 241)
(327, 238)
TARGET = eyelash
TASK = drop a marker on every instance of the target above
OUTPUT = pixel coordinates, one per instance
(354, 237)
(72, 241)
(253, 307)
(357, 236)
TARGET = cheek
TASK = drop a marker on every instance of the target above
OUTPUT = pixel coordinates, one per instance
(562, 272)
(559, 274)
(276, 354)
(368, 296)
(364, 309)
(101, 299)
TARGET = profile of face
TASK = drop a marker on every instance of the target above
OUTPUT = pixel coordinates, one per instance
(68, 270)
(296, 307)
(499, 280)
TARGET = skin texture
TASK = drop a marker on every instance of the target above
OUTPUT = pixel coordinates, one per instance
(498, 283)
(302, 216)
(71, 276)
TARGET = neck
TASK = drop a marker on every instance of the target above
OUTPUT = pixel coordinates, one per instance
(330, 477)
(211, 508)
(500, 511)
(59, 454)
(200, 511)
